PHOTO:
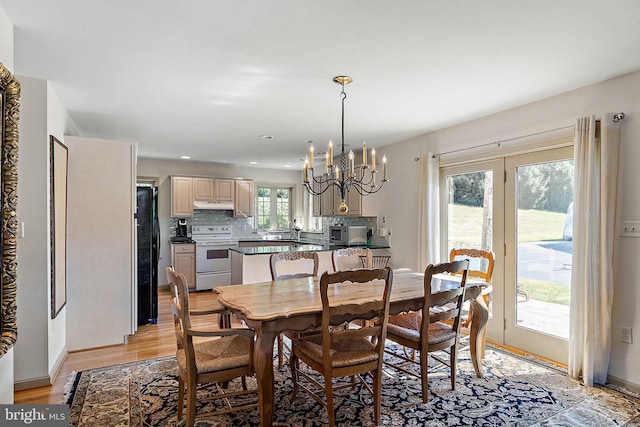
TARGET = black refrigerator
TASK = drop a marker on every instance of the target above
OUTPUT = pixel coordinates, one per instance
(148, 249)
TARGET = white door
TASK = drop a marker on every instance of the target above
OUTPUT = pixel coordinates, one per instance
(539, 189)
(472, 212)
(517, 207)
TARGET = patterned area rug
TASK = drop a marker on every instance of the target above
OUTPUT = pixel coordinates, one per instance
(516, 391)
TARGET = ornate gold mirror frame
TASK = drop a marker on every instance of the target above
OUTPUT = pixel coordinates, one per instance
(9, 115)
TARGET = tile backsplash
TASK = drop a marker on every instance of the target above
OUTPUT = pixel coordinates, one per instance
(243, 228)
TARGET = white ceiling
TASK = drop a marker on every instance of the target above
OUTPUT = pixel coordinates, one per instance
(205, 77)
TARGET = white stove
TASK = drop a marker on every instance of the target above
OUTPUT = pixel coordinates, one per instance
(212, 234)
(213, 260)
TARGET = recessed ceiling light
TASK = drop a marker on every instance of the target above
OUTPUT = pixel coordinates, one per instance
(253, 162)
(287, 166)
(265, 136)
(185, 157)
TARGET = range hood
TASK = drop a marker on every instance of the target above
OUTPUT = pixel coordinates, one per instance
(221, 206)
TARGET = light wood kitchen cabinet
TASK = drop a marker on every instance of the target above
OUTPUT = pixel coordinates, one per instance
(203, 189)
(183, 259)
(243, 202)
(327, 200)
(328, 203)
(181, 196)
(354, 200)
(185, 190)
(317, 202)
(224, 189)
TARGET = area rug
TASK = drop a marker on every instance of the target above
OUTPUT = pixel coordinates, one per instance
(515, 391)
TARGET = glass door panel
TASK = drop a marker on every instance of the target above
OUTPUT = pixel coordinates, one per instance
(469, 210)
(472, 205)
(538, 258)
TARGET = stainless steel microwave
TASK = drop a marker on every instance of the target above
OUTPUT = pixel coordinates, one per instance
(353, 235)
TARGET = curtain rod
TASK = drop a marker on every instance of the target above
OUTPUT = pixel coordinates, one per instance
(616, 118)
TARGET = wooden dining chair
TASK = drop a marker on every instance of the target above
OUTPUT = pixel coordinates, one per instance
(480, 266)
(338, 352)
(290, 264)
(433, 335)
(224, 315)
(287, 265)
(379, 261)
(212, 362)
(350, 258)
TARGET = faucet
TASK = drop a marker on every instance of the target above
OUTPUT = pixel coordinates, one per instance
(296, 227)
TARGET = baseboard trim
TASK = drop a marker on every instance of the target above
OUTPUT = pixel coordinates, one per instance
(32, 383)
(58, 364)
(622, 383)
(43, 381)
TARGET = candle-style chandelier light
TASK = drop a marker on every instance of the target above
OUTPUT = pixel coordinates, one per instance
(345, 177)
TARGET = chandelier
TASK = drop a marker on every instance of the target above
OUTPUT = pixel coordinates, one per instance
(344, 177)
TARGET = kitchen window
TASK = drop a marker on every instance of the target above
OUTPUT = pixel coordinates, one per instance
(273, 207)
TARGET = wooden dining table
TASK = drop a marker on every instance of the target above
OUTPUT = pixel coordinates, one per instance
(272, 307)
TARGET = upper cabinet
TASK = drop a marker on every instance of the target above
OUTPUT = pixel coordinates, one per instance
(223, 190)
(328, 203)
(317, 208)
(185, 190)
(213, 189)
(203, 189)
(354, 202)
(354, 199)
(181, 196)
(243, 204)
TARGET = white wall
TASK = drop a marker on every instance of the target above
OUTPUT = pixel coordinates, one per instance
(100, 238)
(41, 342)
(31, 358)
(162, 169)
(59, 123)
(400, 198)
(6, 40)
(6, 361)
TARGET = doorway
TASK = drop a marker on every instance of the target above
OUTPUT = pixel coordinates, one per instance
(520, 207)
(147, 253)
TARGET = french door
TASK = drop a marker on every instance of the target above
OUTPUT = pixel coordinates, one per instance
(520, 208)
(538, 226)
(472, 210)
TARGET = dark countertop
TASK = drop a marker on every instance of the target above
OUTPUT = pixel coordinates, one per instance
(262, 250)
(363, 246)
(181, 240)
(259, 240)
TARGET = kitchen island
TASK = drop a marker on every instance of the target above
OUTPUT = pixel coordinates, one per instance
(250, 264)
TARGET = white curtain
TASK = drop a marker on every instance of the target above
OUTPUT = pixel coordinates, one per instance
(595, 200)
(429, 211)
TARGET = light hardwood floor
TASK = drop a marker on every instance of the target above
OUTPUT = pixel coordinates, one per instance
(148, 342)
